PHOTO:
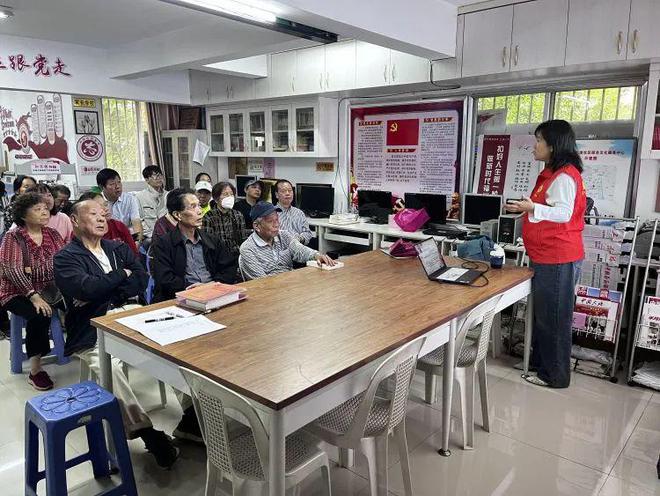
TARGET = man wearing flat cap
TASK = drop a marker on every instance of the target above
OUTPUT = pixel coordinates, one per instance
(269, 251)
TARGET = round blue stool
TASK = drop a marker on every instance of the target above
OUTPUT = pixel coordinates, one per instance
(57, 413)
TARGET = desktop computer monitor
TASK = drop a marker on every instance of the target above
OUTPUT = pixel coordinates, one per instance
(478, 208)
(241, 181)
(317, 200)
(382, 199)
(300, 186)
(435, 205)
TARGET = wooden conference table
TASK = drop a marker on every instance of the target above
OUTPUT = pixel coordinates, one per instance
(306, 341)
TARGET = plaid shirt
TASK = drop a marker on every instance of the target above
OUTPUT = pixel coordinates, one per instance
(15, 282)
(228, 226)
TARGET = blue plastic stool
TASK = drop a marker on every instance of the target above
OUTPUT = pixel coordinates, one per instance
(149, 291)
(58, 412)
(17, 356)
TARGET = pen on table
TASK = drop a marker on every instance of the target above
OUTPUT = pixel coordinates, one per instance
(162, 319)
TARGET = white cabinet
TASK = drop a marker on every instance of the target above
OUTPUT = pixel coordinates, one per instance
(407, 69)
(295, 129)
(310, 70)
(340, 66)
(651, 136)
(178, 147)
(597, 31)
(262, 85)
(539, 34)
(283, 74)
(371, 65)
(643, 32)
(487, 41)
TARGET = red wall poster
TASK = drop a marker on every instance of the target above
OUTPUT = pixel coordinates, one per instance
(407, 148)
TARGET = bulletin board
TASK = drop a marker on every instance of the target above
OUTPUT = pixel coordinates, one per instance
(505, 166)
(407, 148)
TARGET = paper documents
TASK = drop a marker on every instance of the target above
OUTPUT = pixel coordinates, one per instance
(171, 324)
(201, 152)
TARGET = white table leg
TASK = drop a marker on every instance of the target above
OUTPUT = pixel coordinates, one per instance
(276, 455)
(529, 324)
(376, 240)
(320, 234)
(105, 378)
(448, 388)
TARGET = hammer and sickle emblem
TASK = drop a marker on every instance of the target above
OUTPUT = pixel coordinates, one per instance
(394, 127)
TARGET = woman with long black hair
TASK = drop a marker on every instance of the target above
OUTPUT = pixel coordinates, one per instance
(552, 233)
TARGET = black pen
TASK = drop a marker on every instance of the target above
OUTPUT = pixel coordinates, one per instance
(162, 319)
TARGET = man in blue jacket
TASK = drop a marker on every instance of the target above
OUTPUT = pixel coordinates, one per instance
(94, 274)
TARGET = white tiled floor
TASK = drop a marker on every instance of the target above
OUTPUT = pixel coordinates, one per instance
(595, 438)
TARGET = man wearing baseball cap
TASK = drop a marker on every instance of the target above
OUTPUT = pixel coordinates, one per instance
(269, 251)
(203, 192)
(253, 190)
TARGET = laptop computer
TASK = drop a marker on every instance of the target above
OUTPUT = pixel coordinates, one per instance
(436, 268)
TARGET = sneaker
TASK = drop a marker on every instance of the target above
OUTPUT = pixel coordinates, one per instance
(188, 428)
(532, 379)
(160, 445)
(40, 381)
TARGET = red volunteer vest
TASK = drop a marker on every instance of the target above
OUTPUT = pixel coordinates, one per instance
(553, 242)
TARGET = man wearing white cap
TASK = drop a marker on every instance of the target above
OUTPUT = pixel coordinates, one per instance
(203, 191)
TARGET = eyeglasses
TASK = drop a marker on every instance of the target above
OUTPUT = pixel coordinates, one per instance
(157, 175)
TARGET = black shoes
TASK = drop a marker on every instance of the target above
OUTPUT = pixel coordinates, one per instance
(188, 428)
(160, 445)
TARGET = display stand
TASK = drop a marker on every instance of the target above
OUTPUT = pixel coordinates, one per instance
(624, 257)
(646, 324)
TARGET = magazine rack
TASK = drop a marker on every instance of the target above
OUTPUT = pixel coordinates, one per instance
(623, 268)
(647, 335)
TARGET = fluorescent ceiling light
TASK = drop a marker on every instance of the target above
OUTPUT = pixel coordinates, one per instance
(243, 9)
(5, 12)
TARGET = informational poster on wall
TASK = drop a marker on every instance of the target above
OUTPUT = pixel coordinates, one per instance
(36, 126)
(90, 140)
(505, 166)
(407, 148)
(607, 168)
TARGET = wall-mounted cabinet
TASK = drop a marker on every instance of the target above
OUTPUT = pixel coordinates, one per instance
(306, 128)
(643, 32)
(380, 66)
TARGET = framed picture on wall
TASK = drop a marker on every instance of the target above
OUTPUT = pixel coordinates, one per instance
(87, 122)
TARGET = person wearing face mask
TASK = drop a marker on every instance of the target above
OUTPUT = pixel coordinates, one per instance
(225, 222)
(188, 256)
(292, 219)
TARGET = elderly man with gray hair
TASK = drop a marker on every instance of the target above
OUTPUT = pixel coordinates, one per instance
(269, 251)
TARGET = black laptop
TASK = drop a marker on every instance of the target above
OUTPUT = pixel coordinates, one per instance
(437, 270)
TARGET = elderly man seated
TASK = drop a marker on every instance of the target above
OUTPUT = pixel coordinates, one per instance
(188, 256)
(269, 251)
(93, 274)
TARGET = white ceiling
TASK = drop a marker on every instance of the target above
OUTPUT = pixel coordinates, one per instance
(107, 23)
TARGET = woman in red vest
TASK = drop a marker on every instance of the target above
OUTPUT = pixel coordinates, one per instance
(552, 232)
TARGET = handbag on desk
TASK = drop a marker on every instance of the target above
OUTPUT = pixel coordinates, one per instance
(410, 220)
(51, 293)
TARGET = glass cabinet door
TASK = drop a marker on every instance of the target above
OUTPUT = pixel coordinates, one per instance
(280, 130)
(217, 133)
(305, 129)
(184, 162)
(236, 136)
(168, 163)
(257, 131)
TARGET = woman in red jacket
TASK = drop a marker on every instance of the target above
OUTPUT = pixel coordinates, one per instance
(552, 232)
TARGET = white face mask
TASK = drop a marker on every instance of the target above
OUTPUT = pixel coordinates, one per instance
(227, 202)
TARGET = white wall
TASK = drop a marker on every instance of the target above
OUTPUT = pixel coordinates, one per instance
(647, 189)
(90, 73)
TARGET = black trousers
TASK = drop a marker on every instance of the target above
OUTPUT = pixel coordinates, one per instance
(37, 342)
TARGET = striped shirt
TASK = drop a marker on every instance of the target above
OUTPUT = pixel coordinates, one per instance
(259, 259)
(293, 219)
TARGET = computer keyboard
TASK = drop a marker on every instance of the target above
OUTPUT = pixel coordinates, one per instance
(449, 232)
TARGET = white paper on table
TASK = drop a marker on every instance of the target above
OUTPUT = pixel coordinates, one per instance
(201, 152)
(186, 325)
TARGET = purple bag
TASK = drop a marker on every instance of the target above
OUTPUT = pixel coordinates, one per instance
(411, 220)
(401, 249)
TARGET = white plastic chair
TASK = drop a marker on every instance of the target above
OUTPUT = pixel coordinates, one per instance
(245, 457)
(366, 421)
(470, 360)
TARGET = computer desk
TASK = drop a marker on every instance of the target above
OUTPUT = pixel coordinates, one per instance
(305, 341)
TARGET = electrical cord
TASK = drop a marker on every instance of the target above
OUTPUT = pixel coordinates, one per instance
(476, 265)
